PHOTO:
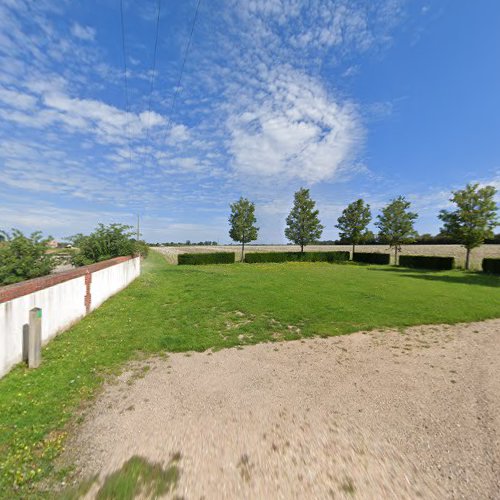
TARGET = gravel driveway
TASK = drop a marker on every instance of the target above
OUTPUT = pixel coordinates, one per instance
(369, 415)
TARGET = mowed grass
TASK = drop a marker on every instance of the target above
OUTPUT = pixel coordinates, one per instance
(183, 308)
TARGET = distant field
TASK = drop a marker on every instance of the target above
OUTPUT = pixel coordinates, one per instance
(456, 251)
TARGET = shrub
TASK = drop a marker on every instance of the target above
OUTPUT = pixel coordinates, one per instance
(197, 259)
(106, 242)
(427, 262)
(491, 266)
(24, 257)
(253, 258)
(372, 258)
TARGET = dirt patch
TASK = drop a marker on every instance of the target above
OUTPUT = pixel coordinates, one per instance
(394, 414)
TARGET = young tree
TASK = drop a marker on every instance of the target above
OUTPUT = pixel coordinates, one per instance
(242, 220)
(303, 225)
(105, 243)
(395, 225)
(24, 257)
(353, 221)
(474, 219)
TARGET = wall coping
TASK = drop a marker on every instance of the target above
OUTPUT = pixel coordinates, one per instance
(16, 290)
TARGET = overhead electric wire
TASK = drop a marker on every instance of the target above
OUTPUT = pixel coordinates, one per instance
(151, 88)
(181, 74)
(153, 71)
(127, 101)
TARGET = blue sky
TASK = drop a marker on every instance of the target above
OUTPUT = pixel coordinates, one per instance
(352, 99)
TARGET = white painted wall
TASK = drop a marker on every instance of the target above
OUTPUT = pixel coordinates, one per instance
(111, 280)
(62, 305)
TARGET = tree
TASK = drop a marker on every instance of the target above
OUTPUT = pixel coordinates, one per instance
(474, 219)
(395, 225)
(368, 238)
(24, 257)
(242, 220)
(105, 243)
(303, 225)
(353, 221)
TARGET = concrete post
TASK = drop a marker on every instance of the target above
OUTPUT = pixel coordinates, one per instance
(26, 342)
(35, 338)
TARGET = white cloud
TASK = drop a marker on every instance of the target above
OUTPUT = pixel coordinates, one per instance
(83, 32)
(16, 99)
(295, 131)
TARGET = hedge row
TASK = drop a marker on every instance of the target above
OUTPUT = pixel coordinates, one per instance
(427, 262)
(372, 258)
(491, 266)
(194, 259)
(257, 257)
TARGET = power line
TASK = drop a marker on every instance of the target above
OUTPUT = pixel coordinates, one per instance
(181, 74)
(127, 102)
(153, 69)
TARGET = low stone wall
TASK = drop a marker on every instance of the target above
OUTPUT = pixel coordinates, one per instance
(64, 299)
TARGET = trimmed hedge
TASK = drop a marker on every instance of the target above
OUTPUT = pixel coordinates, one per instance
(491, 266)
(372, 258)
(253, 258)
(197, 259)
(427, 262)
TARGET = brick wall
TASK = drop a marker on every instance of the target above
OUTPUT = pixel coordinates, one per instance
(64, 299)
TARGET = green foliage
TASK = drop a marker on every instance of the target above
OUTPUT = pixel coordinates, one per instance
(106, 242)
(427, 262)
(141, 248)
(303, 225)
(474, 219)
(395, 224)
(491, 266)
(368, 237)
(372, 257)
(196, 259)
(242, 221)
(353, 222)
(184, 308)
(139, 478)
(24, 257)
(258, 257)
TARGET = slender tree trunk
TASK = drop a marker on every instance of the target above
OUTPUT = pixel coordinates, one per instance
(395, 255)
(242, 250)
(353, 249)
(467, 259)
(302, 248)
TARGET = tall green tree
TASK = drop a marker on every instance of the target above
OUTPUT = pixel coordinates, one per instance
(395, 225)
(242, 221)
(474, 219)
(303, 225)
(353, 222)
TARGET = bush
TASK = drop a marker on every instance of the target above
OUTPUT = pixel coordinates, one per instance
(491, 266)
(372, 258)
(106, 242)
(24, 257)
(197, 259)
(253, 258)
(427, 262)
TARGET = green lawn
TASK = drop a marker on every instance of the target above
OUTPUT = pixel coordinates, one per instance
(181, 308)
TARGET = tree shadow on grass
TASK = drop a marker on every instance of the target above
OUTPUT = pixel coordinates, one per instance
(462, 277)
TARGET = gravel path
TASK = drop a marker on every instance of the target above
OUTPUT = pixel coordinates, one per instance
(369, 415)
